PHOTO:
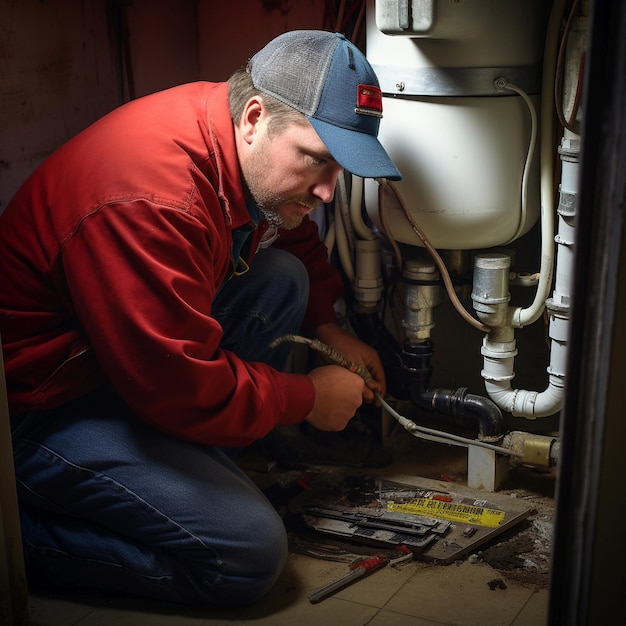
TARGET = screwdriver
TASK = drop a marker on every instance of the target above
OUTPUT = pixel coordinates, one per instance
(358, 570)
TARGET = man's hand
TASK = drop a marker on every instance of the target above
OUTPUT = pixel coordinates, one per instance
(338, 394)
(356, 350)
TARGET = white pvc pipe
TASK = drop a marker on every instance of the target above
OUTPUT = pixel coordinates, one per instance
(356, 215)
(499, 347)
(498, 373)
(499, 350)
(341, 234)
(521, 317)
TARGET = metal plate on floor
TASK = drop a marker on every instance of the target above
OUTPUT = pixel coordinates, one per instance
(436, 520)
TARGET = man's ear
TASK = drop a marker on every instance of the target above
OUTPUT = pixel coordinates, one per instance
(253, 115)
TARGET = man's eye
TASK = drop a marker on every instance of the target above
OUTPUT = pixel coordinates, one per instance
(316, 161)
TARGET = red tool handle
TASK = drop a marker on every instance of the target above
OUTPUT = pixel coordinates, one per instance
(358, 569)
(369, 564)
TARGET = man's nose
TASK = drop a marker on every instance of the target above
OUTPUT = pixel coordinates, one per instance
(324, 189)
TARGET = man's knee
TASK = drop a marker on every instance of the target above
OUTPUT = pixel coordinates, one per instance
(251, 568)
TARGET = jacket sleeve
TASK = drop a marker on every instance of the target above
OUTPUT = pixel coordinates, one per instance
(326, 286)
(142, 279)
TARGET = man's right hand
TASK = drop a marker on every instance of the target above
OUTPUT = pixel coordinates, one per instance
(338, 394)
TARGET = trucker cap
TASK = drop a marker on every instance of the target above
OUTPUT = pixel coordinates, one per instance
(327, 78)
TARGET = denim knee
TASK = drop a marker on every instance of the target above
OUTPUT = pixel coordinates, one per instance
(250, 570)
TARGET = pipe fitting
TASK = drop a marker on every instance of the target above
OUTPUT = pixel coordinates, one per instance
(536, 450)
(368, 282)
(490, 292)
(460, 406)
(422, 295)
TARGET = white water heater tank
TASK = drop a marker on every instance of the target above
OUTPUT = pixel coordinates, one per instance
(460, 142)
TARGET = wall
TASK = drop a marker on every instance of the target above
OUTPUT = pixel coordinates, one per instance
(57, 74)
(245, 27)
(65, 63)
(162, 41)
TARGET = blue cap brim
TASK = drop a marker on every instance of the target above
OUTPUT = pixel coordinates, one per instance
(358, 153)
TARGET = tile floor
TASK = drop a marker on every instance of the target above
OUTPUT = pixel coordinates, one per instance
(417, 593)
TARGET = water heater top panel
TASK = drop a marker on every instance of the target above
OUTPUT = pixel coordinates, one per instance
(437, 19)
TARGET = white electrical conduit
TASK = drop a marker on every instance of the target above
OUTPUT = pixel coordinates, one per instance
(520, 317)
(343, 208)
(501, 83)
(356, 215)
(348, 222)
(341, 234)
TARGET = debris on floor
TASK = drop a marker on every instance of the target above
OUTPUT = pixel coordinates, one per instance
(518, 548)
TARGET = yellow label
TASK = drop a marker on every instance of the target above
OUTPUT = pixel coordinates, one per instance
(451, 511)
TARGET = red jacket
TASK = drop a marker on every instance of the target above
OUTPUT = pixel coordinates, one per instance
(110, 256)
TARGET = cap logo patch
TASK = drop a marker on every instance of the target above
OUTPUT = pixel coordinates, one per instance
(369, 100)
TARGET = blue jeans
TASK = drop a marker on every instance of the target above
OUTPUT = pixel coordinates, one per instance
(110, 503)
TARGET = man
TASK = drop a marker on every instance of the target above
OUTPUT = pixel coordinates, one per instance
(147, 265)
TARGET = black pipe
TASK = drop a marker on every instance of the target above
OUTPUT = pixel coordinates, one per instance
(408, 370)
(459, 405)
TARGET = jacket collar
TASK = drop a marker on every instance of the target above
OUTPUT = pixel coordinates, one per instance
(222, 134)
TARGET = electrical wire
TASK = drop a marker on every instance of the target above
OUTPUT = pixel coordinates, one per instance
(343, 245)
(520, 317)
(435, 255)
(503, 84)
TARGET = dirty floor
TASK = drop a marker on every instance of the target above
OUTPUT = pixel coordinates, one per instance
(503, 582)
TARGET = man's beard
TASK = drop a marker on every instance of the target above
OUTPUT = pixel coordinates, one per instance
(273, 219)
(270, 209)
(269, 204)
